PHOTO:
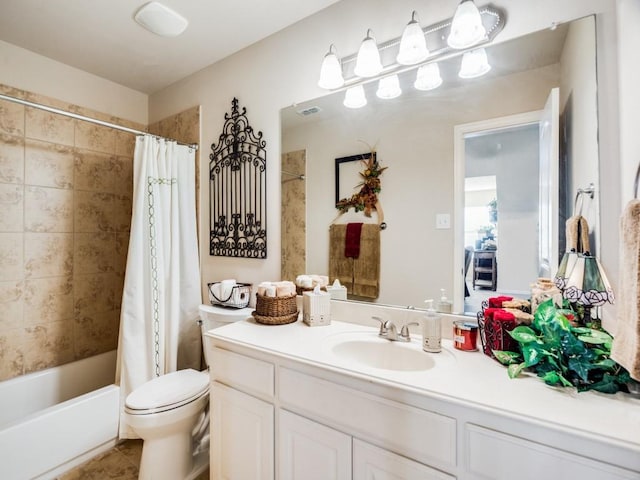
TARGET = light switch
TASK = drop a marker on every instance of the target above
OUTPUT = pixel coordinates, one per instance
(443, 220)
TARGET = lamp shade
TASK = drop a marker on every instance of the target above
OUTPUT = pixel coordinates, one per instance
(413, 46)
(565, 268)
(368, 62)
(587, 284)
(355, 97)
(466, 26)
(331, 71)
(389, 87)
(428, 77)
(474, 64)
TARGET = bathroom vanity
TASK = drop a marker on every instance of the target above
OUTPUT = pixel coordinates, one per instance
(337, 402)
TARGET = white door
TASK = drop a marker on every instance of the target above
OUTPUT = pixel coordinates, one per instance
(373, 463)
(242, 436)
(311, 451)
(549, 187)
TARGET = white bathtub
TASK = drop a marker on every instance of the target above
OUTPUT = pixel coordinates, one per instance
(56, 418)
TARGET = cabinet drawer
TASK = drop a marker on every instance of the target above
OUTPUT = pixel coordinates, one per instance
(246, 374)
(373, 463)
(422, 435)
(495, 455)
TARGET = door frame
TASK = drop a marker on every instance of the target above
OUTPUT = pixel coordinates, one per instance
(459, 154)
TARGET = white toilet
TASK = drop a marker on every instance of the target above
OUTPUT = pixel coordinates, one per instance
(169, 410)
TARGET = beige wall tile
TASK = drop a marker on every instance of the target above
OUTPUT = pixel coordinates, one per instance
(94, 253)
(124, 175)
(11, 118)
(121, 250)
(48, 300)
(11, 357)
(96, 172)
(41, 125)
(96, 333)
(48, 254)
(93, 211)
(48, 209)
(11, 256)
(95, 137)
(121, 213)
(11, 159)
(95, 293)
(11, 208)
(48, 345)
(48, 164)
(125, 144)
(11, 305)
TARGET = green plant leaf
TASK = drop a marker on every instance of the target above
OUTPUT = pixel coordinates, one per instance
(523, 334)
(580, 330)
(505, 357)
(606, 364)
(532, 353)
(592, 340)
(515, 369)
(608, 384)
(581, 366)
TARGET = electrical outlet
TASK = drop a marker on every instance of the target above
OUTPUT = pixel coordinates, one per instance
(443, 221)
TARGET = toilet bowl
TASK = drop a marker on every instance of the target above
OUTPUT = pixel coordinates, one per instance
(167, 410)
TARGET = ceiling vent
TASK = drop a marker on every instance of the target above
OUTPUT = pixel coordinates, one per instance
(305, 112)
(161, 20)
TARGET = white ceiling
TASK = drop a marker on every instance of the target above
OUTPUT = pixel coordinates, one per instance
(101, 37)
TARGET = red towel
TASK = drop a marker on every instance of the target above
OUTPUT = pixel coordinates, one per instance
(496, 302)
(352, 240)
(504, 316)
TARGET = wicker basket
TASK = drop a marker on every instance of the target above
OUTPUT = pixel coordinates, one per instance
(238, 297)
(300, 290)
(275, 310)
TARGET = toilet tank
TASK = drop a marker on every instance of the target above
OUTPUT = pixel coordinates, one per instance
(215, 316)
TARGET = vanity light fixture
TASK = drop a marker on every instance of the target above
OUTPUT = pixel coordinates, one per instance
(368, 63)
(413, 46)
(474, 64)
(428, 77)
(389, 87)
(466, 27)
(331, 71)
(354, 97)
(160, 19)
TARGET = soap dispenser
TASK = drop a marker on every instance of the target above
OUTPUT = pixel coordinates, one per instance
(431, 330)
(444, 305)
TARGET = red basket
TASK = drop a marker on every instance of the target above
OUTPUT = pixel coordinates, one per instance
(494, 334)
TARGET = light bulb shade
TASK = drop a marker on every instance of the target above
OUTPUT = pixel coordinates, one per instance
(331, 71)
(565, 268)
(428, 77)
(474, 64)
(389, 87)
(466, 26)
(368, 62)
(354, 97)
(413, 46)
(587, 284)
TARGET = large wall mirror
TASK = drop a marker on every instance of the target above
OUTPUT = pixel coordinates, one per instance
(415, 136)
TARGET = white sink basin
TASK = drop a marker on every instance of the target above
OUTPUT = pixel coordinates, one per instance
(371, 351)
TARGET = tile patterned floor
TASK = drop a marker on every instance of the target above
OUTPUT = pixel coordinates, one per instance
(121, 462)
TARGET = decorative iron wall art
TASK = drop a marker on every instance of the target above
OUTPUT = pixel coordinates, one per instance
(238, 189)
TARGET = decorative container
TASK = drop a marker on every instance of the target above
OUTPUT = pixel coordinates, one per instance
(275, 310)
(316, 308)
(238, 298)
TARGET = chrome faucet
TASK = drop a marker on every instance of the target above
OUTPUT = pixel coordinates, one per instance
(389, 331)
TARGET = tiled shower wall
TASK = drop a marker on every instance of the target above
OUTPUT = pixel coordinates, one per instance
(65, 211)
(293, 214)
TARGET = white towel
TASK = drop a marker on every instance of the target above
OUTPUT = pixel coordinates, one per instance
(626, 343)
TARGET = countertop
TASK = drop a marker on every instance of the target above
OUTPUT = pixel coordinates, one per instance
(457, 375)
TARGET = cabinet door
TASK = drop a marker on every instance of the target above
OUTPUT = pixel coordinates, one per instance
(242, 436)
(373, 463)
(310, 451)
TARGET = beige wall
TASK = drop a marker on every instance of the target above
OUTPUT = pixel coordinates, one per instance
(65, 211)
(282, 70)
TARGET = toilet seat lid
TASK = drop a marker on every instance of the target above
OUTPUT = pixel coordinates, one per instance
(169, 389)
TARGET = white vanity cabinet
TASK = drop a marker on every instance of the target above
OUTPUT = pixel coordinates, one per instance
(311, 451)
(289, 416)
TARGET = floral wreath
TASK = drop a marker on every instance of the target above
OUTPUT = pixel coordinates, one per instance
(367, 198)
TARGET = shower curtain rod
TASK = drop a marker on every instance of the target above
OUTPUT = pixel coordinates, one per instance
(87, 119)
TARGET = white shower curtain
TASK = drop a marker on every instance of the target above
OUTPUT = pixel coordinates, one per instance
(158, 329)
